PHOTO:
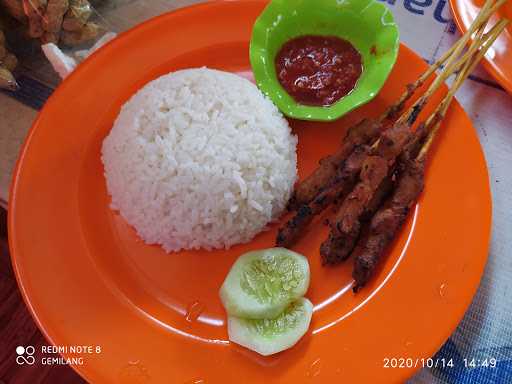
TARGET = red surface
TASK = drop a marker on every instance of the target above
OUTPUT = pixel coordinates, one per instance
(18, 328)
(318, 70)
(88, 279)
(498, 60)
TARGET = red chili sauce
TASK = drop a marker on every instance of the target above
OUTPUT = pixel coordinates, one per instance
(318, 70)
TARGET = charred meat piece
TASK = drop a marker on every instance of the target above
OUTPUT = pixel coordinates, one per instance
(387, 221)
(409, 184)
(359, 134)
(394, 110)
(344, 181)
(346, 226)
(413, 146)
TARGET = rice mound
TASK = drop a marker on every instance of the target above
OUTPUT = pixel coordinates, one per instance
(199, 158)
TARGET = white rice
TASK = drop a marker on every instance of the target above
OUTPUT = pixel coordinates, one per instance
(199, 158)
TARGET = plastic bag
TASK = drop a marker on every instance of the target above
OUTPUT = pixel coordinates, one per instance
(64, 22)
(84, 24)
(7, 64)
(73, 25)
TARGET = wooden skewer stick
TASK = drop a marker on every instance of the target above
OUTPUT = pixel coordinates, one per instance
(411, 115)
(489, 38)
(411, 88)
(387, 221)
(480, 21)
(452, 63)
(463, 64)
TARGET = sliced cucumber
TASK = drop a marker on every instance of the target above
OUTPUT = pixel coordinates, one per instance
(269, 336)
(261, 284)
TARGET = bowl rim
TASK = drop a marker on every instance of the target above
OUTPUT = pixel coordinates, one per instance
(271, 87)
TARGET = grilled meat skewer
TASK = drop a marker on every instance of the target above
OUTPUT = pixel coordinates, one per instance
(346, 228)
(377, 166)
(362, 133)
(344, 182)
(321, 177)
(386, 223)
(346, 177)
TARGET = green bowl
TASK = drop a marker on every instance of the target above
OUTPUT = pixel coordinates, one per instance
(367, 24)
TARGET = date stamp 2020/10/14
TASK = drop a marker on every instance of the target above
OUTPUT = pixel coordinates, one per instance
(415, 362)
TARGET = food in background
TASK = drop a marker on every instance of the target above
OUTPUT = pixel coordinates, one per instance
(199, 158)
(77, 15)
(318, 70)
(54, 15)
(261, 284)
(55, 21)
(7, 64)
(87, 33)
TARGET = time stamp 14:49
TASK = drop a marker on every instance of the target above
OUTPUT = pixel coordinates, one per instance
(411, 362)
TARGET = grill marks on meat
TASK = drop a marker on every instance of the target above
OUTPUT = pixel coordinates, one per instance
(362, 181)
(412, 148)
(393, 111)
(387, 221)
(361, 133)
(344, 181)
(390, 217)
(347, 224)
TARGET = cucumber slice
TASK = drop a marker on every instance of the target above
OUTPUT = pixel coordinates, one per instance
(261, 284)
(269, 336)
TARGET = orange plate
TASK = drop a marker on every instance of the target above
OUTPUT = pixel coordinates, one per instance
(88, 279)
(498, 60)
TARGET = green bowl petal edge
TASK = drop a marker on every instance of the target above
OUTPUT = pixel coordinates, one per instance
(368, 24)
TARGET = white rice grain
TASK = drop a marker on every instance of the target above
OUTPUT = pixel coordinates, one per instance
(199, 158)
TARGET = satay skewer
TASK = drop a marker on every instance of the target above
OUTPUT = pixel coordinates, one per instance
(452, 65)
(488, 39)
(412, 113)
(486, 11)
(363, 132)
(344, 180)
(390, 217)
(348, 222)
(368, 129)
(345, 176)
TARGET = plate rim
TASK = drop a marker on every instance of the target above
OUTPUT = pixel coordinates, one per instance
(403, 374)
(490, 65)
